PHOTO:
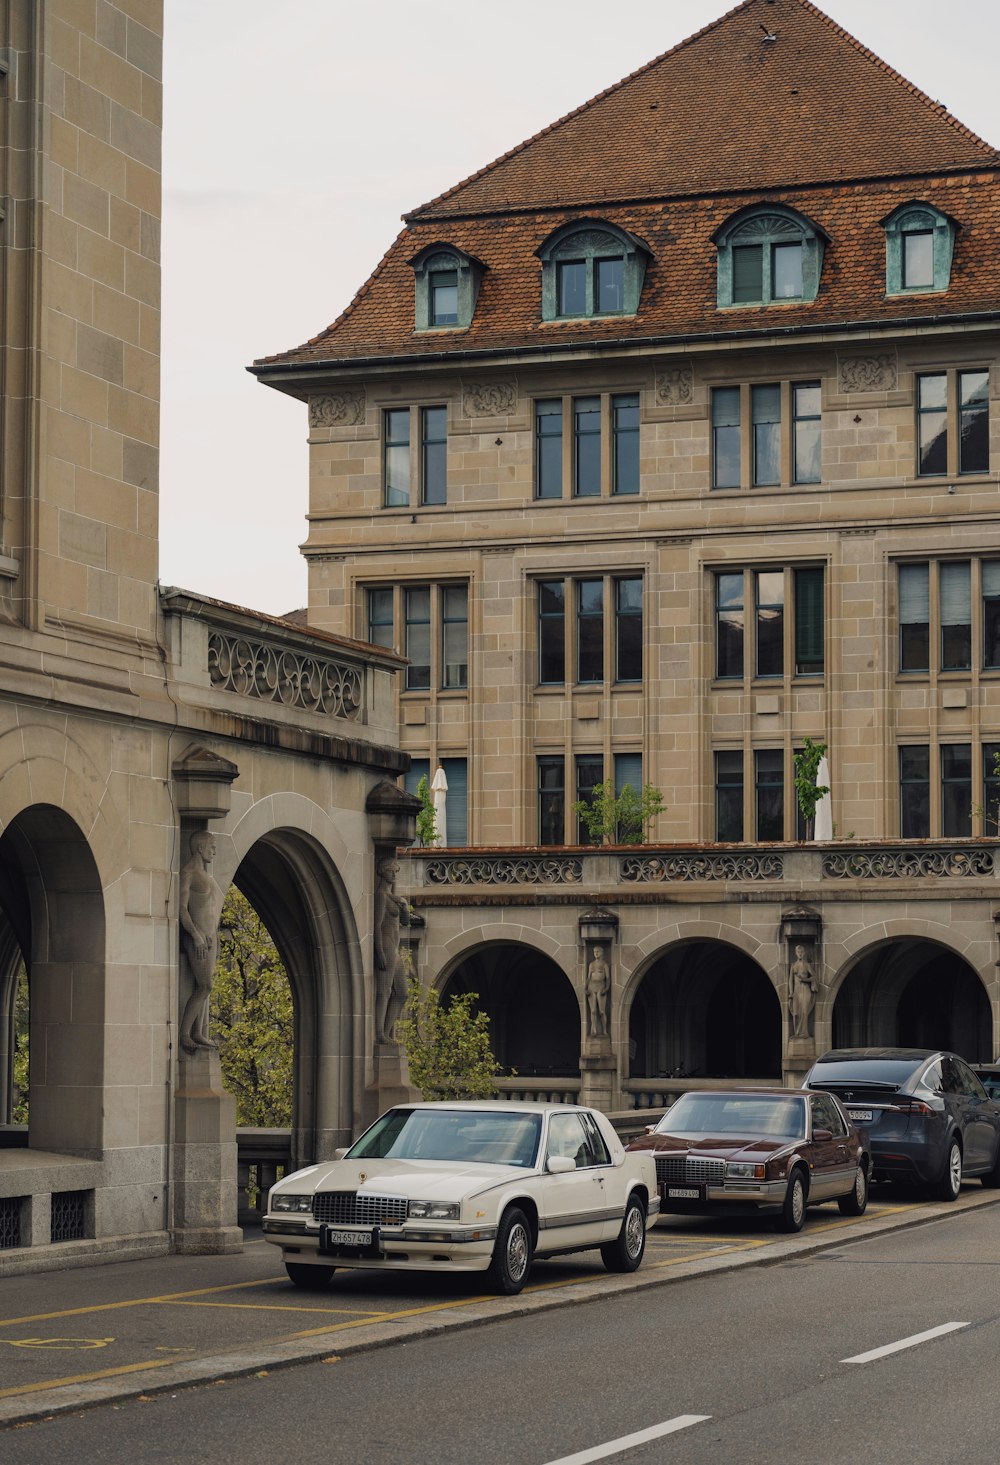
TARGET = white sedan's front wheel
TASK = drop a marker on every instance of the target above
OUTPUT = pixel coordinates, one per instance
(511, 1253)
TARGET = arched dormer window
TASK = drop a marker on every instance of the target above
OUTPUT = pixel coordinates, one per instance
(591, 268)
(768, 255)
(447, 284)
(919, 244)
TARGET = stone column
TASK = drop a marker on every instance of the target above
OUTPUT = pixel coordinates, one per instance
(598, 1065)
(801, 932)
(203, 1161)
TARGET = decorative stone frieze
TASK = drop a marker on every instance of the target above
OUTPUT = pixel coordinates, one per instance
(675, 386)
(277, 674)
(647, 868)
(489, 398)
(868, 373)
(338, 409)
(506, 870)
(907, 864)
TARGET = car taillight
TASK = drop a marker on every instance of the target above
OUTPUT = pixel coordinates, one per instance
(912, 1106)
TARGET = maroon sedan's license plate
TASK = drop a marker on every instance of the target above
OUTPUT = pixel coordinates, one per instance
(685, 1192)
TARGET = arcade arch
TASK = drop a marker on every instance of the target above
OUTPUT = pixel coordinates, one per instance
(533, 1010)
(913, 993)
(705, 1009)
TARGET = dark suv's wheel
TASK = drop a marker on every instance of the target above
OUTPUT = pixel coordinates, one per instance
(950, 1183)
(625, 1253)
(855, 1203)
(511, 1253)
(793, 1211)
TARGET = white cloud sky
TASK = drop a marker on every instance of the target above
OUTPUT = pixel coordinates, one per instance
(295, 134)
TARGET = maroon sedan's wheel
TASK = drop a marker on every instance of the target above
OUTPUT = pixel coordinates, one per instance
(855, 1203)
(793, 1212)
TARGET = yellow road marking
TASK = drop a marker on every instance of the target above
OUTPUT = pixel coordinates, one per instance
(85, 1378)
(267, 1307)
(41, 1317)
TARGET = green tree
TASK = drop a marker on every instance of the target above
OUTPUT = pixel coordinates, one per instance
(251, 1017)
(623, 818)
(427, 817)
(807, 791)
(21, 1024)
(447, 1046)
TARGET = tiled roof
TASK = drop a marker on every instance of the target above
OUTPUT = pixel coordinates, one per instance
(729, 116)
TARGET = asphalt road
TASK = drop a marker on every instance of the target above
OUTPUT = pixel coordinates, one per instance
(767, 1364)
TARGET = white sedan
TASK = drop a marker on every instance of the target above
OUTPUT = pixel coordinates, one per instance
(467, 1187)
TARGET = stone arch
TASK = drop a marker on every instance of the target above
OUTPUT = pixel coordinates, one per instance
(533, 1006)
(703, 1006)
(915, 990)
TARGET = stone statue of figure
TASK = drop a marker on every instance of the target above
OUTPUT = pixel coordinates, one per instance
(391, 912)
(597, 988)
(802, 998)
(200, 909)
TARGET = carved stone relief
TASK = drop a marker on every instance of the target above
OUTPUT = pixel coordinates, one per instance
(868, 373)
(338, 409)
(489, 399)
(675, 386)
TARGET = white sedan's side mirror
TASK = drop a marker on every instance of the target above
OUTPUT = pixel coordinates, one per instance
(339, 1154)
(560, 1164)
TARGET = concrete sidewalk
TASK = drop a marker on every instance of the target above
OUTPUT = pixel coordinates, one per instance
(74, 1339)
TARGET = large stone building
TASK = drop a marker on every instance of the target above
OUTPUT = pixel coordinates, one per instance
(133, 719)
(662, 443)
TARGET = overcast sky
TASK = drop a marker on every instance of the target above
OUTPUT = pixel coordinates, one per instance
(295, 134)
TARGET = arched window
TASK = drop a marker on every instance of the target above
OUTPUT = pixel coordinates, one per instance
(447, 284)
(590, 268)
(768, 255)
(919, 243)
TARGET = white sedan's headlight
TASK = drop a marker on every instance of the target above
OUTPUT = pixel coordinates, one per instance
(285, 1201)
(433, 1210)
(743, 1170)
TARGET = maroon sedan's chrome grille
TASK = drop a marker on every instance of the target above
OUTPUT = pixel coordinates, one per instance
(687, 1170)
(348, 1208)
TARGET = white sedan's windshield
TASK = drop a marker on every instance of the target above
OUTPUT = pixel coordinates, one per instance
(451, 1134)
(711, 1114)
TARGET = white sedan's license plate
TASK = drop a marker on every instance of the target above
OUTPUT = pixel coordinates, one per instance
(347, 1238)
(683, 1192)
(862, 1114)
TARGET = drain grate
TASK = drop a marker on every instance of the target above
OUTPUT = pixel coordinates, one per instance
(69, 1208)
(10, 1221)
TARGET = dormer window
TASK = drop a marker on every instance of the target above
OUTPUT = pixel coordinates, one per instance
(919, 244)
(590, 268)
(446, 284)
(768, 255)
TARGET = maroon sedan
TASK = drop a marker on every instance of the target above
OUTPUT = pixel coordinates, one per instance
(770, 1150)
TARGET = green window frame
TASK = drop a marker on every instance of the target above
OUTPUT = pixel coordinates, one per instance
(446, 287)
(919, 249)
(625, 470)
(586, 447)
(768, 255)
(549, 448)
(433, 455)
(591, 269)
(396, 458)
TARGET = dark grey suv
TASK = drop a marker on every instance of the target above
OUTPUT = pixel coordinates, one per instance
(929, 1119)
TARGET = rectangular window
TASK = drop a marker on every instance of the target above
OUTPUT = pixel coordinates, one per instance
(956, 790)
(419, 768)
(991, 614)
(991, 789)
(551, 800)
(551, 632)
(932, 423)
(417, 626)
(769, 780)
(444, 297)
(589, 773)
(625, 435)
(955, 589)
(455, 636)
(786, 266)
(729, 796)
(380, 617)
(610, 286)
(456, 771)
(726, 436)
(729, 622)
(628, 630)
(808, 584)
(769, 606)
(548, 449)
(973, 421)
(806, 416)
(590, 630)
(765, 405)
(628, 770)
(571, 287)
(434, 455)
(914, 793)
(918, 260)
(748, 273)
(587, 447)
(396, 467)
(914, 617)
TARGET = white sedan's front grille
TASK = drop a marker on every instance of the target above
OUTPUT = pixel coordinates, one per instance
(349, 1208)
(688, 1170)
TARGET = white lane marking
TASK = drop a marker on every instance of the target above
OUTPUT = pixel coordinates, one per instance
(630, 1441)
(906, 1343)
